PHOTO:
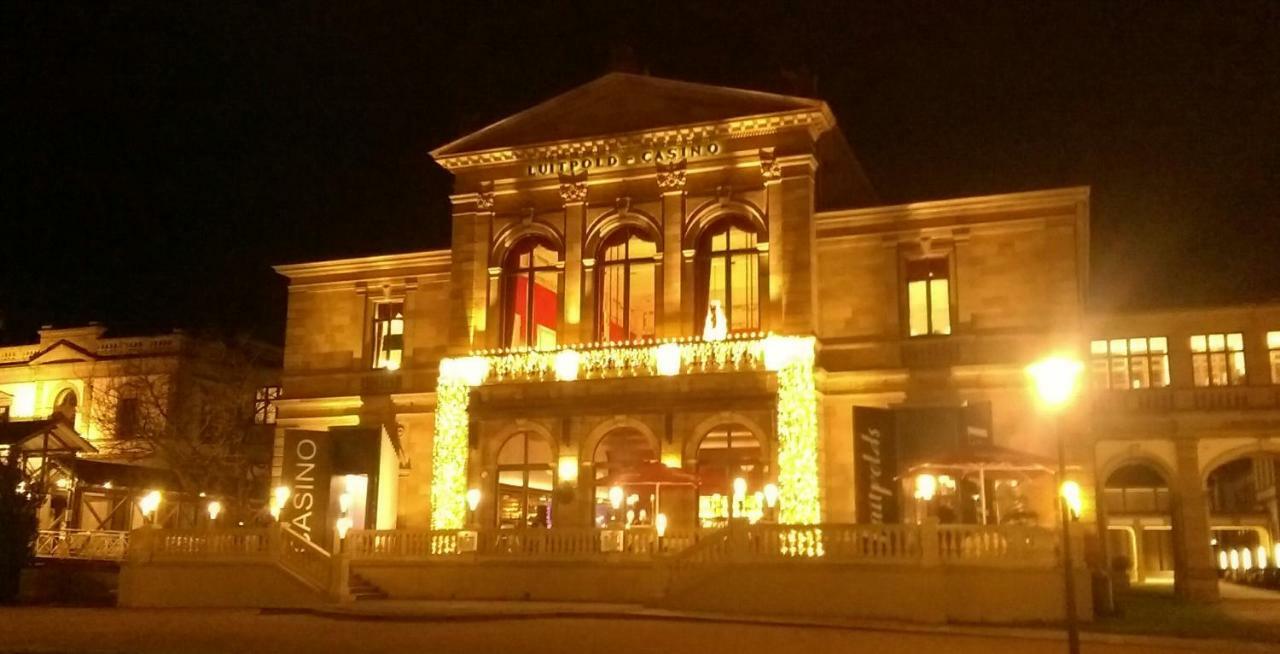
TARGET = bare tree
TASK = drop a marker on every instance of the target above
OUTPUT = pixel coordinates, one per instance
(194, 415)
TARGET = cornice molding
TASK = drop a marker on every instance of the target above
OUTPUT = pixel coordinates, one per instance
(386, 263)
(817, 121)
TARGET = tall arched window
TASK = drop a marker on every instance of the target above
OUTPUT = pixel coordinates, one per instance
(526, 478)
(727, 453)
(729, 275)
(532, 284)
(628, 287)
(620, 451)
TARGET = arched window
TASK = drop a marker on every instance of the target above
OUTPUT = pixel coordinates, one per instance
(532, 285)
(620, 451)
(727, 453)
(729, 275)
(526, 477)
(628, 287)
(66, 404)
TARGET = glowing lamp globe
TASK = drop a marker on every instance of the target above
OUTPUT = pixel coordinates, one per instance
(1056, 380)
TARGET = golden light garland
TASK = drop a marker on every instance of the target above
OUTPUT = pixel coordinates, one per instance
(791, 357)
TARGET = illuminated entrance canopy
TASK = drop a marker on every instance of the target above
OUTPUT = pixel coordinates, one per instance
(790, 357)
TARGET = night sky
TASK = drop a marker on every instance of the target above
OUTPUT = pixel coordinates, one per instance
(159, 157)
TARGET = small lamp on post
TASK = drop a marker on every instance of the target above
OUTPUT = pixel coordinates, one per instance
(149, 504)
(739, 496)
(771, 500)
(473, 502)
(279, 495)
(926, 488)
(1056, 381)
(214, 508)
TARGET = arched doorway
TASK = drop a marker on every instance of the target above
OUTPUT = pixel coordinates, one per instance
(525, 481)
(727, 453)
(1243, 511)
(1140, 538)
(621, 450)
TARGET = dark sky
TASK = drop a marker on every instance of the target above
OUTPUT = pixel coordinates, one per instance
(159, 157)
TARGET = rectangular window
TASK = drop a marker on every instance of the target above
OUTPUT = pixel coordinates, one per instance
(1125, 363)
(1218, 359)
(264, 405)
(388, 335)
(1273, 350)
(929, 296)
(127, 417)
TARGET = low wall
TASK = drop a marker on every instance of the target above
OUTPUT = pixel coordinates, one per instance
(889, 592)
(212, 584)
(576, 581)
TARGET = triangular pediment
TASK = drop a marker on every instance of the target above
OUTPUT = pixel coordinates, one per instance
(622, 103)
(61, 352)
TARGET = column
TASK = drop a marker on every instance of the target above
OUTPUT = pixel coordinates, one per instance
(1195, 576)
(574, 194)
(677, 320)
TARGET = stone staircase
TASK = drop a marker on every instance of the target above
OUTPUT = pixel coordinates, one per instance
(363, 589)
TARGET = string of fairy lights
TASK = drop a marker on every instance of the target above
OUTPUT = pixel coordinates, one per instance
(790, 357)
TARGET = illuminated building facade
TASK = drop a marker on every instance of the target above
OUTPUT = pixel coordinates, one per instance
(81, 410)
(711, 269)
(644, 270)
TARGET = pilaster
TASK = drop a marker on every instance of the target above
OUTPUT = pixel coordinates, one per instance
(675, 321)
(1195, 577)
(574, 194)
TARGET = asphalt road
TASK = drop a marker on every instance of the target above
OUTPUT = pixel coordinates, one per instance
(40, 629)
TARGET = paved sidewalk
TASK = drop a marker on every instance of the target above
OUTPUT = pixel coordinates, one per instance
(428, 611)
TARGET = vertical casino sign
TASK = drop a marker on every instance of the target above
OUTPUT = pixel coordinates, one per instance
(308, 471)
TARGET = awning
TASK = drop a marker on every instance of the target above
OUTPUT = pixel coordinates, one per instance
(985, 457)
(51, 436)
(649, 473)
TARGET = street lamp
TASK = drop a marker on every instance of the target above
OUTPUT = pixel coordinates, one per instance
(149, 503)
(1056, 381)
(473, 501)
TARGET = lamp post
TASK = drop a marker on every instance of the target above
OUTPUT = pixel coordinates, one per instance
(1056, 381)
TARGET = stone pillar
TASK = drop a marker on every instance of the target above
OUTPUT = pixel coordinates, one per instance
(574, 195)
(770, 254)
(793, 294)
(468, 273)
(1195, 576)
(675, 320)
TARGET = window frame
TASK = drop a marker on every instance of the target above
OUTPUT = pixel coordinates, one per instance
(377, 337)
(511, 271)
(1207, 355)
(1272, 341)
(265, 410)
(623, 237)
(127, 427)
(524, 468)
(705, 255)
(907, 277)
(1109, 357)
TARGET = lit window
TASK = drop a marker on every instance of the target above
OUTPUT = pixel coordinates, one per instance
(264, 405)
(929, 296)
(730, 277)
(388, 335)
(526, 478)
(726, 453)
(1218, 359)
(1273, 349)
(1124, 363)
(533, 296)
(628, 287)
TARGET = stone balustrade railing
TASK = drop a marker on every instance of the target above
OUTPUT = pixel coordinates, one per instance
(98, 545)
(570, 543)
(928, 544)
